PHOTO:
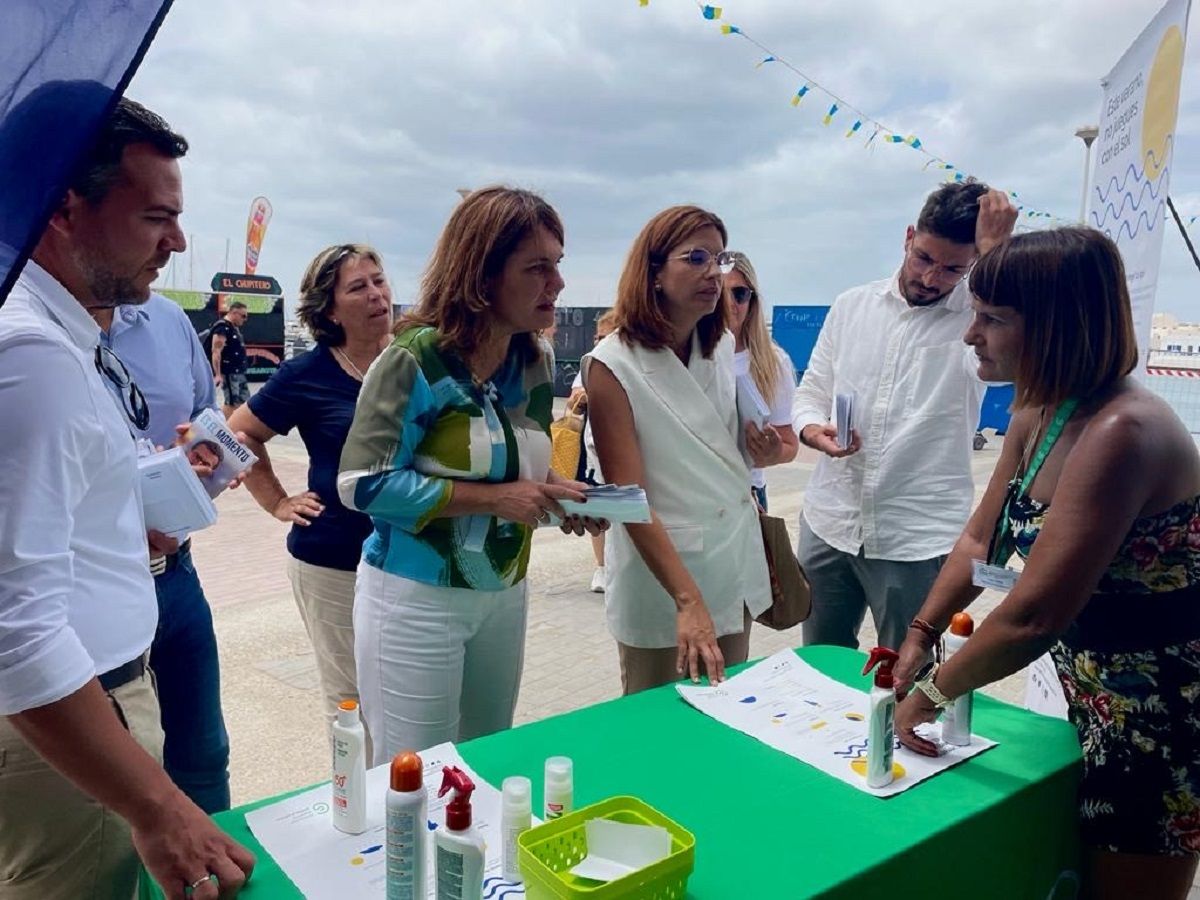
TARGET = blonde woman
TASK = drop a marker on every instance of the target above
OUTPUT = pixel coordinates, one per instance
(771, 369)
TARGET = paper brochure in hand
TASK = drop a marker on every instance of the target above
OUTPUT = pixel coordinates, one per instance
(215, 445)
(843, 415)
(750, 403)
(173, 499)
(616, 503)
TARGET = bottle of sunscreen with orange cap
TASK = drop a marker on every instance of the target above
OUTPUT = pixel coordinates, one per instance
(349, 770)
(407, 815)
(956, 720)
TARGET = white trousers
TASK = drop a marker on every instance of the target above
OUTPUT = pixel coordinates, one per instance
(435, 663)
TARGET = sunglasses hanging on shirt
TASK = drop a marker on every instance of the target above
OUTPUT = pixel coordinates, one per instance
(133, 400)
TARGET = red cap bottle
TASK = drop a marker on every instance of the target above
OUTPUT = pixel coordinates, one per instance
(458, 810)
(885, 659)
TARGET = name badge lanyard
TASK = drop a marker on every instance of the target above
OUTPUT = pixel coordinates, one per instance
(1002, 545)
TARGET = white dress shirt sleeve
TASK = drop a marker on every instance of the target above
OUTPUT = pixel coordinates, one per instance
(814, 396)
(49, 427)
(785, 390)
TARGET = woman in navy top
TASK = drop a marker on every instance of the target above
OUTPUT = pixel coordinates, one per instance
(346, 303)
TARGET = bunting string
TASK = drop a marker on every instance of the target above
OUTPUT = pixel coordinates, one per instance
(839, 106)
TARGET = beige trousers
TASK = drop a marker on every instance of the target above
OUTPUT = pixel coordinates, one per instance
(55, 841)
(325, 597)
(642, 668)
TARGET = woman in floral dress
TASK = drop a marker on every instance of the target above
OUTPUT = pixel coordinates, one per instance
(1098, 490)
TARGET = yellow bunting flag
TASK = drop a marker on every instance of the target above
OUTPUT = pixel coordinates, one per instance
(730, 29)
(832, 112)
(799, 95)
(711, 12)
(853, 128)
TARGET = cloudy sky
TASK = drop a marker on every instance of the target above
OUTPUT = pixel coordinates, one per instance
(360, 118)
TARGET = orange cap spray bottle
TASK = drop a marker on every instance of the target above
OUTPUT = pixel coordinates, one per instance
(956, 720)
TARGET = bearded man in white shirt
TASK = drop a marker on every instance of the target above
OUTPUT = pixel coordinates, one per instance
(881, 514)
(83, 793)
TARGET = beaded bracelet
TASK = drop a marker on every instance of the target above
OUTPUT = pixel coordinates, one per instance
(924, 627)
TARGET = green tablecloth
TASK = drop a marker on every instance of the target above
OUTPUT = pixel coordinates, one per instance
(1000, 825)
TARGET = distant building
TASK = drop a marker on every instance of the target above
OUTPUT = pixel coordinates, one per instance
(1174, 343)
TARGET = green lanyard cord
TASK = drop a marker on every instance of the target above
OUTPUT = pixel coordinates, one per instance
(1001, 546)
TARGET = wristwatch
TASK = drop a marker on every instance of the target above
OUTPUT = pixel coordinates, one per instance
(924, 683)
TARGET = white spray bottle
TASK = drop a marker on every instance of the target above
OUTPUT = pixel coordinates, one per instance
(349, 770)
(881, 717)
(406, 830)
(460, 850)
(956, 720)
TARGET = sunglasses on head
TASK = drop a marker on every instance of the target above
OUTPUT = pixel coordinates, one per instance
(741, 294)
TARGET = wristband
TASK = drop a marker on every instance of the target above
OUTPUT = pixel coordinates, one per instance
(925, 628)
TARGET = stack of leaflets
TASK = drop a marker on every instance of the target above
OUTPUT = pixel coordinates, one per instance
(616, 503)
(843, 416)
(750, 403)
(210, 442)
(174, 501)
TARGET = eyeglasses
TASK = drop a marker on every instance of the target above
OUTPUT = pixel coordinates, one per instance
(133, 400)
(741, 294)
(702, 259)
(922, 264)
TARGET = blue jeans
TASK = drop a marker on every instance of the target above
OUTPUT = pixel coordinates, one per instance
(183, 658)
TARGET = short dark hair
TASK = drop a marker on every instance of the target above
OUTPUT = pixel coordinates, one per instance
(950, 211)
(130, 123)
(1069, 286)
(236, 304)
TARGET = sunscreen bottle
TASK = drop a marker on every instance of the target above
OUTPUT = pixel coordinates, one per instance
(349, 770)
(459, 854)
(956, 720)
(881, 717)
(407, 813)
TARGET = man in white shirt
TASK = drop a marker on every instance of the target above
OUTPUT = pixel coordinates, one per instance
(881, 514)
(82, 790)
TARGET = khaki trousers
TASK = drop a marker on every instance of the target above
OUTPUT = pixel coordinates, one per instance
(55, 841)
(643, 668)
(325, 598)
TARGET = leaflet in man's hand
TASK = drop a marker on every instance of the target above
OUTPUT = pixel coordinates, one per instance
(843, 416)
(173, 499)
(750, 403)
(209, 441)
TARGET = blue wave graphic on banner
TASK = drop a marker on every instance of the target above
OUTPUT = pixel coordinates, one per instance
(1148, 187)
(1132, 171)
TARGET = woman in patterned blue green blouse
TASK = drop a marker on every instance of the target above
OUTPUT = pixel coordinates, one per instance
(449, 454)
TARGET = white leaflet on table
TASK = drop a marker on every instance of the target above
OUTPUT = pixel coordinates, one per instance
(326, 864)
(173, 499)
(787, 704)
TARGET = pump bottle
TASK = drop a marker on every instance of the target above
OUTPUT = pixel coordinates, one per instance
(956, 720)
(559, 789)
(459, 856)
(349, 780)
(406, 831)
(516, 815)
(881, 717)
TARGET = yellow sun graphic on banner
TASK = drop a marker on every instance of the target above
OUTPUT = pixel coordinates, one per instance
(1162, 103)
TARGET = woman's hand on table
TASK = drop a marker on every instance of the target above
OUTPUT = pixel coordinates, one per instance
(696, 637)
(298, 509)
(182, 847)
(914, 653)
(914, 710)
(532, 502)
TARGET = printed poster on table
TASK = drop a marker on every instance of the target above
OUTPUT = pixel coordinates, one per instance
(325, 864)
(1134, 156)
(787, 704)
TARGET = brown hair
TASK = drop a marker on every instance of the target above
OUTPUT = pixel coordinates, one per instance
(316, 290)
(1069, 285)
(764, 359)
(638, 312)
(482, 233)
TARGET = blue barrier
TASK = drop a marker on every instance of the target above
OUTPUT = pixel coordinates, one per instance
(996, 403)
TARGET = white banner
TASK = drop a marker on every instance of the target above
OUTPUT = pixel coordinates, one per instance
(1128, 199)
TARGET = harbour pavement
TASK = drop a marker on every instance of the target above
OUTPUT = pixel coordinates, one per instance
(268, 677)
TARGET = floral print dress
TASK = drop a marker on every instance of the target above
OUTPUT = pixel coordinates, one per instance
(1130, 670)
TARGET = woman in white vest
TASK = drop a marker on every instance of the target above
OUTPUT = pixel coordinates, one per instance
(683, 589)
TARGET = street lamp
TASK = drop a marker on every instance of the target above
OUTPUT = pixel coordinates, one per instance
(1087, 134)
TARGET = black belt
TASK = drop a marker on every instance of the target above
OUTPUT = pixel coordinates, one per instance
(122, 675)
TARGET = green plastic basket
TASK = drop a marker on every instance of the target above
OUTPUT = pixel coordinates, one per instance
(547, 853)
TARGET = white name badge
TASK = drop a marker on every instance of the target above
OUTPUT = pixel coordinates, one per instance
(997, 578)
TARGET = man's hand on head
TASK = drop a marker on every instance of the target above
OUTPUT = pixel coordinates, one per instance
(997, 216)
